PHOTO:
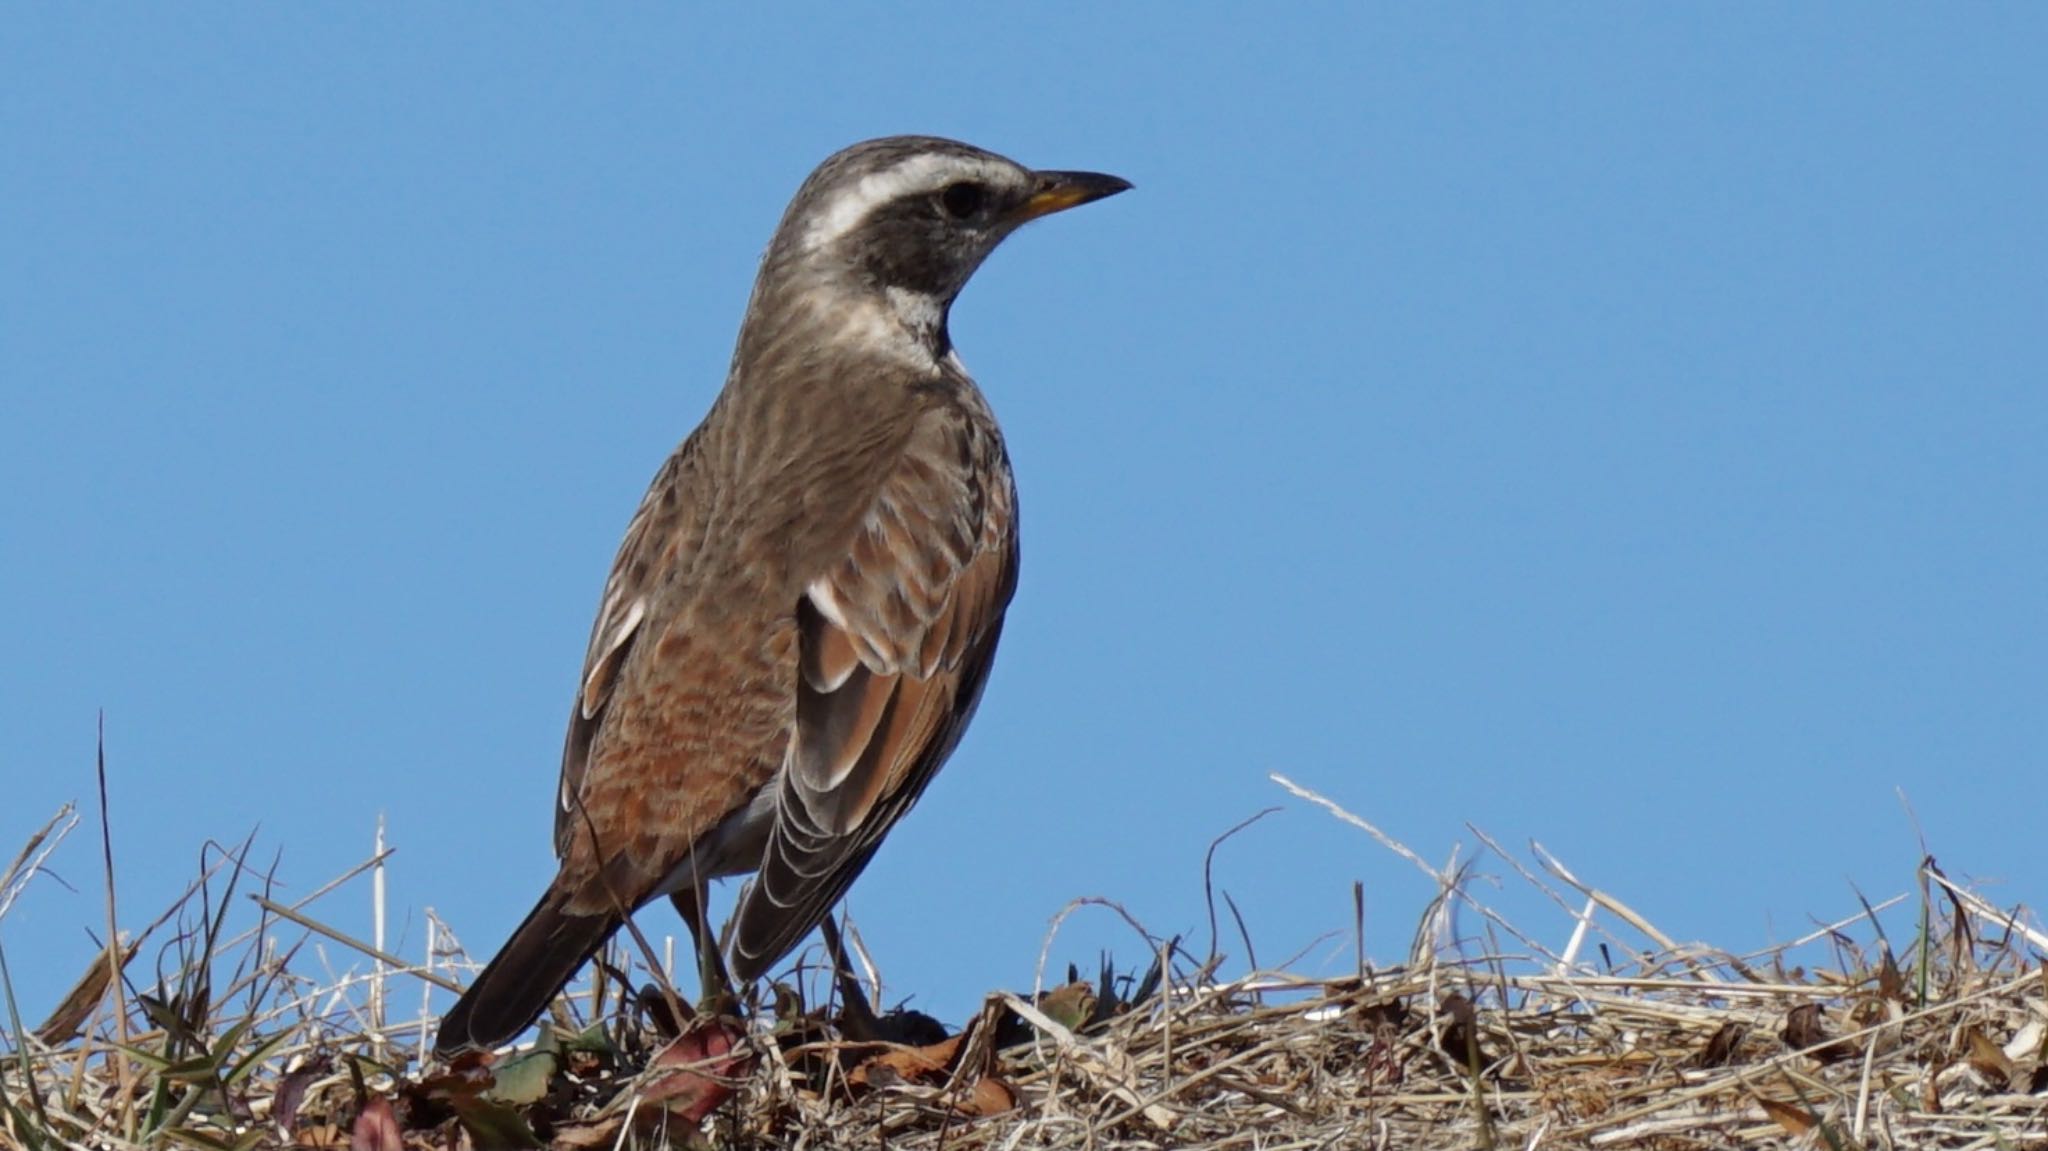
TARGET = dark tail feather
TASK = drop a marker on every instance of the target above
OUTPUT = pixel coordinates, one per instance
(515, 987)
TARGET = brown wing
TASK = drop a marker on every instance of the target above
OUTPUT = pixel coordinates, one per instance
(660, 531)
(896, 641)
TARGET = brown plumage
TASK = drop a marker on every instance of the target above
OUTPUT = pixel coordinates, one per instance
(803, 613)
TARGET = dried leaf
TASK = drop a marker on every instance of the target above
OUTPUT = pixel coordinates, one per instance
(84, 997)
(376, 1128)
(1720, 1050)
(1880, 1018)
(1873, 1011)
(1803, 1026)
(696, 1072)
(924, 1065)
(291, 1090)
(1988, 1059)
(1387, 1019)
(933, 1066)
(986, 1098)
(2028, 1044)
(466, 1078)
(1795, 1120)
(1460, 1038)
(1890, 982)
(1806, 1027)
(1071, 1006)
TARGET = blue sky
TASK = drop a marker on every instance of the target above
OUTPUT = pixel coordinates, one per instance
(1619, 427)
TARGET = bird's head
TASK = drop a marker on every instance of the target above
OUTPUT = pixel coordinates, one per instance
(908, 219)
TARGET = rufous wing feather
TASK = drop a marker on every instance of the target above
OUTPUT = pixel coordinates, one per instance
(665, 526)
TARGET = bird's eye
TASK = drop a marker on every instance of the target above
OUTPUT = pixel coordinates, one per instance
(963, 199)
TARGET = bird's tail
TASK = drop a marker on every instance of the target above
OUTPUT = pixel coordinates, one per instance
(515, 987)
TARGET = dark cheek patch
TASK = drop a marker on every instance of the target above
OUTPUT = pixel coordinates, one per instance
(908, 246)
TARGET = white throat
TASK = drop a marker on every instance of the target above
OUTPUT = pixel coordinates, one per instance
(899, 324)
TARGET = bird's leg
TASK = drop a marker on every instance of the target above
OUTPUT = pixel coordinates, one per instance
(716, 996)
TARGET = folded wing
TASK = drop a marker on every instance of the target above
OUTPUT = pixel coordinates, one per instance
(666, 527)
(897, 637)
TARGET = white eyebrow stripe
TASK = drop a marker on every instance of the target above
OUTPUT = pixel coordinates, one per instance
(850, 207)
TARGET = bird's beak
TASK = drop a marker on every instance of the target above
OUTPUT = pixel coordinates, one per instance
(1058, 191)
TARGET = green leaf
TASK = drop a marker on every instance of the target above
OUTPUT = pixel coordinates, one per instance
(494, 1125)
(255, 1058)
(594, 1039)
(232, 1037)
(198, 1069)
(523, 1079)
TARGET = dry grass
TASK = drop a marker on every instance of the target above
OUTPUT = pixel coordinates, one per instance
(249, 1037)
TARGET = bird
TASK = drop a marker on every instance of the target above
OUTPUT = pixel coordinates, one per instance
(803, 612)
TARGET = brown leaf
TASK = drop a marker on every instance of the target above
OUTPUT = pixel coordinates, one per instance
(84, 997)
(1880, 1021)
(1806, 1027)
(933, 1066)
(1460, 1038)
(924, 1065)
(987, 1097)
(1872, 1011)
(376, 1128)
(1385, 1015)
(1795, 1120)
(1803, 1026)
(1988, 1060)
(1720, 1050)
(701, 1066)
(291, 1091)
(465, 1080)
(1890, 982)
